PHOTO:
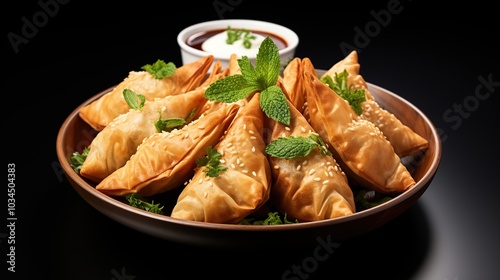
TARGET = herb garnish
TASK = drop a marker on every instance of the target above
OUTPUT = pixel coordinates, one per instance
(211, 162)
(171, 123)
(136, 201)
(77, 159)
(273, 218)
(354, 96)
(160, 69)
(263, 77)
(134, 100)
(295, 146)
(234, 35)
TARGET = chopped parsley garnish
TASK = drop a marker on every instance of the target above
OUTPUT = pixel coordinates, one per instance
(263, 78)
(138, 202)
(134, 100)
(171, 123)
(339, 84)
(160, 69)
(211, 162)
(77, 159)
(295, 146)
(234, 35)
(273, 218)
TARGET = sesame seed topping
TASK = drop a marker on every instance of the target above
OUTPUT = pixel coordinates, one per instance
(312, 171)
(317, 179)
(254, 173)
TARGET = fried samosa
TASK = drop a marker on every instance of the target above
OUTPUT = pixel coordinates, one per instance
(165, 160)
(311, 187)
(243, 187)
(118, 141)
(99, 113)
(404, 140)
(361, 149)
(293, 83)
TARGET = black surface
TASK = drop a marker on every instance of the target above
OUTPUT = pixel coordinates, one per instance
(434, 57)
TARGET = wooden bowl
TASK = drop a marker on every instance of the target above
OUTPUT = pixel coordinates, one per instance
(75, 134)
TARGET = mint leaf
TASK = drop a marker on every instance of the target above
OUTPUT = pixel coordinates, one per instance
(291, 147)
(160, 69)
(134, 100)
(264, 76)
(274, 104)
(229, 89)
(267, 63)
(339, 85)
(211, 162)
(295, 146)
(171, 123)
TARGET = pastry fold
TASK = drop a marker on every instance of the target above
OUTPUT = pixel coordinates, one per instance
(308, 188)
(241, 189)
(166, 160)
(404, 140)
(360, 148)
(104, 110)
(118, 141)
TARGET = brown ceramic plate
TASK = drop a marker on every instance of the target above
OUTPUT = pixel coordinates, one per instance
(75, 134)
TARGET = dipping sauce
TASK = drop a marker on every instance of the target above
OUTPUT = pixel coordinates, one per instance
(214, 42)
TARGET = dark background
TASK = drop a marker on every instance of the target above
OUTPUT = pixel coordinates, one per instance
(435, 57)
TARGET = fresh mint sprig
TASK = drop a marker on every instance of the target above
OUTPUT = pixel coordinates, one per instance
(211, 162)
(263, 78)
(134, 100)
(339, 84)
(295, 146)
(160, 69)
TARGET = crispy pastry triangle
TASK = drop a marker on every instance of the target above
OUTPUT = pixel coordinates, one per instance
(118, 141)
(243, 187)
(165, 160)
(404, 140)
(102, 111)
(309, 188)
(361, 149)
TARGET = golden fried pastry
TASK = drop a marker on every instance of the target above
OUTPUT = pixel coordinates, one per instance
(360, 148)
(165, 160)
(311, 187)
(102, 111)
(240, 189)
(118, 141)
(404, 140)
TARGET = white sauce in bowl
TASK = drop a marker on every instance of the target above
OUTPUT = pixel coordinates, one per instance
(217, 46)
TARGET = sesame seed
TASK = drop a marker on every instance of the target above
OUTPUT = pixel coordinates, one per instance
(325, 182)
(253, 149)
(302, 129)
(317, 179)
(251, 131)
(244, 171)
(287, 128)
(311, 172)
(298, 167)
(222, 161)
(205, 194)
(254, 173)
(233, 166)
(276, 167)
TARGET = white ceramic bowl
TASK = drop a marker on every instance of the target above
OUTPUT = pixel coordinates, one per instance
(222, 52)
